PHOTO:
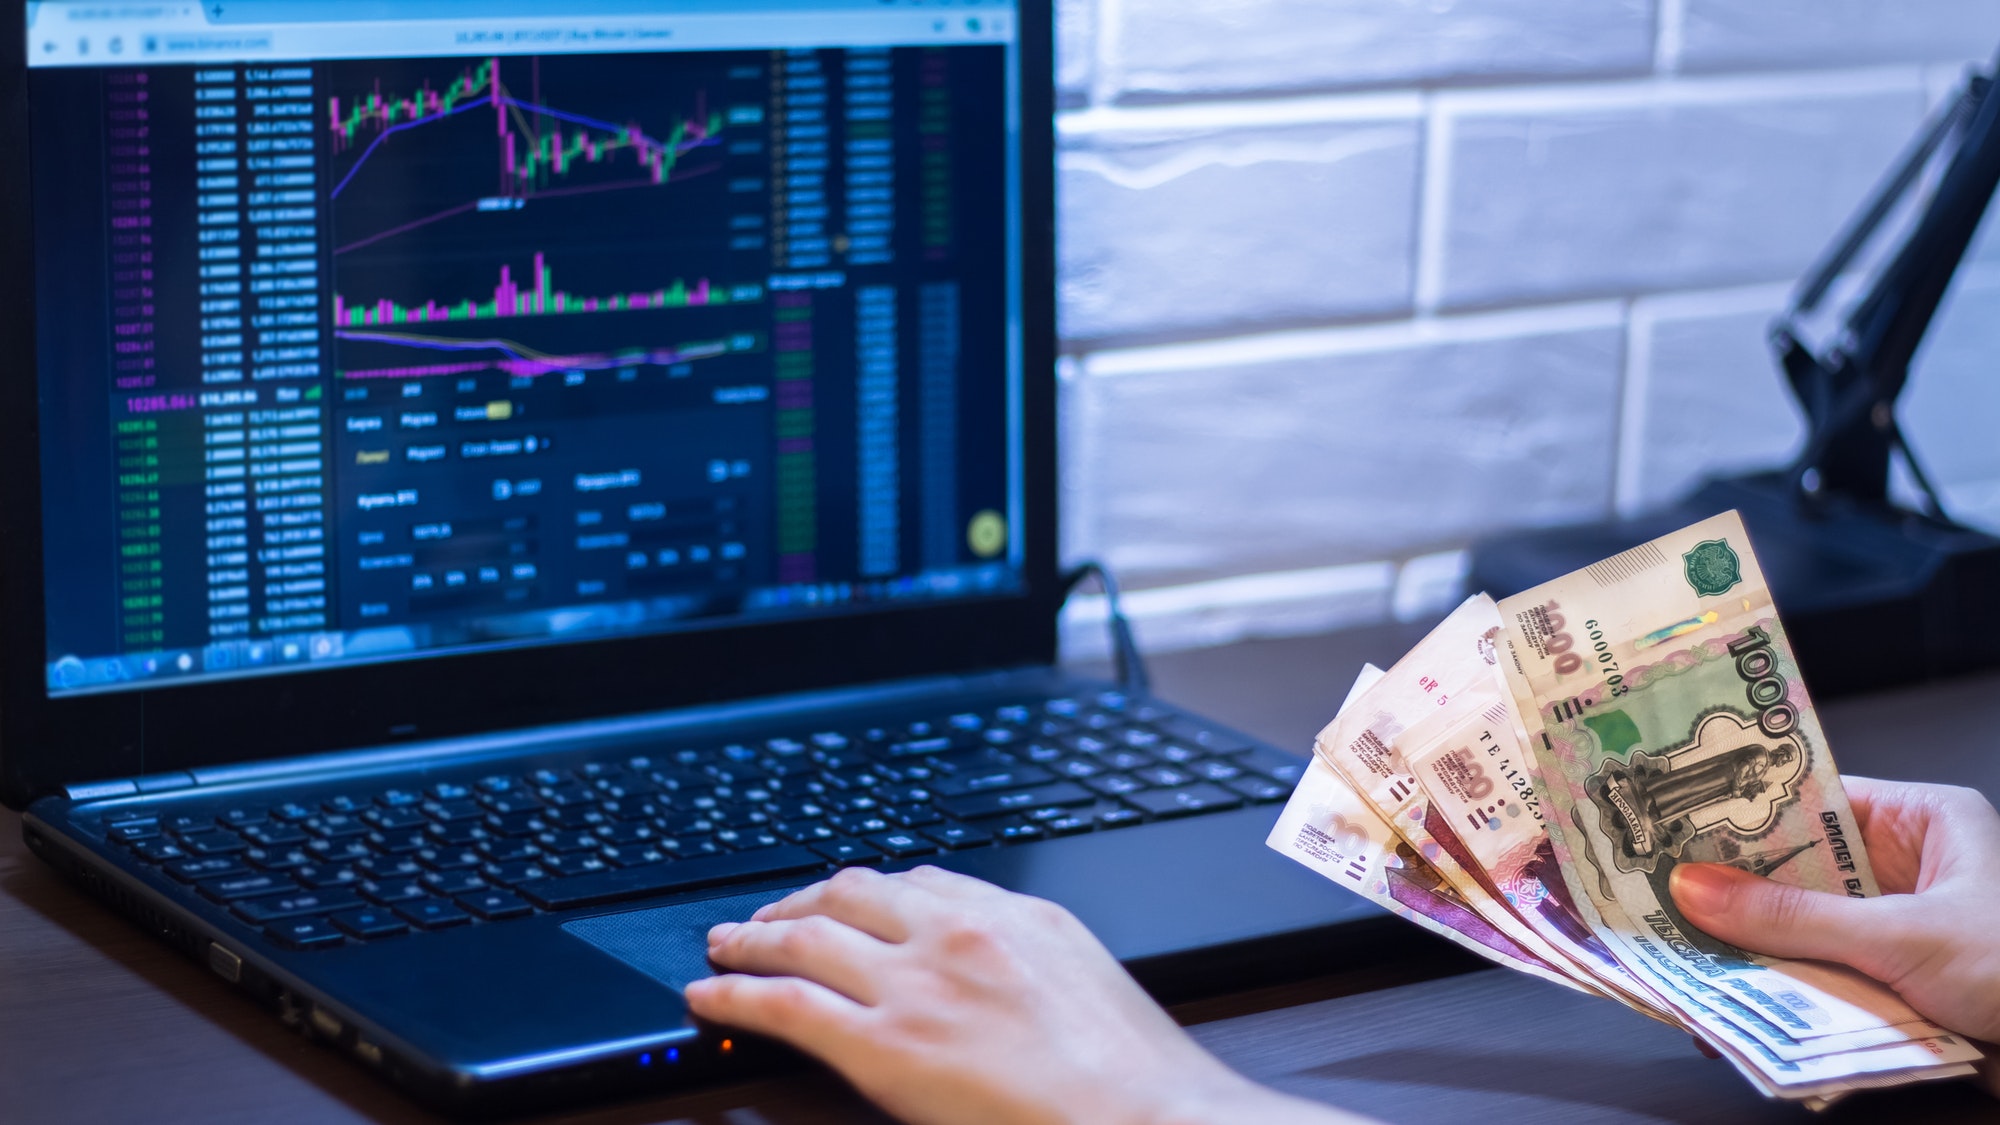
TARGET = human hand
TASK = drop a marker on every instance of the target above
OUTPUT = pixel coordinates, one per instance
(944, 999)
(1934, 934)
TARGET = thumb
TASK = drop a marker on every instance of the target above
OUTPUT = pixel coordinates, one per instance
(1754, 913)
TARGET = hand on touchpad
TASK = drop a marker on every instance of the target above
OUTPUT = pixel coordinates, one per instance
(669, 943)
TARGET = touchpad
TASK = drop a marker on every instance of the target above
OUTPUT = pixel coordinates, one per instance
(669, 943)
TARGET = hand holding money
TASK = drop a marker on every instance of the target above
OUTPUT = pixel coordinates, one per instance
(1547, 764)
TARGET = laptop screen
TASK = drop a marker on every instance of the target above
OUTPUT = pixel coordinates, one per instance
(378, 331)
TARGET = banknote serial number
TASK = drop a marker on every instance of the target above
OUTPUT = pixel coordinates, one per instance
(1549, 634)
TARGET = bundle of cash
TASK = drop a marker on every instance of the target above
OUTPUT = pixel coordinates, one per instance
(1525, 780)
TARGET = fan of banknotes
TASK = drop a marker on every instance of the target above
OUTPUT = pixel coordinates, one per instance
(1525, 779)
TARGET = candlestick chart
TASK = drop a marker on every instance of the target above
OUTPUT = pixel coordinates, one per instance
(457, 189)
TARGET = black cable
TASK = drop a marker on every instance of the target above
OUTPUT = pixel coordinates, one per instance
(1128, 665)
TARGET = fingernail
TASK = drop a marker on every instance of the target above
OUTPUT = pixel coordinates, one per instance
(1704, 888)
(720, 931)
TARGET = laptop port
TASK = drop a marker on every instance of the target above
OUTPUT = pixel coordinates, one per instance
(326, 1023)
(227, 965)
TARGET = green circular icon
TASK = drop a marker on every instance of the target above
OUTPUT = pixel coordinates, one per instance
(987, 534)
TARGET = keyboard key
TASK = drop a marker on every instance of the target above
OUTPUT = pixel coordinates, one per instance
(508, 850)
(292, 812)
(457, 834)
(1115, 784)
(1163, 777)
(394, 819)
(495, 905)
(1119, 818)
(1201, 734)
(989, 780)
(454, 882)
(449, 811)
(320, 876)
(902, 845)
(1258, 789)
(390, 867)
(403, 841)
(187, 824)
(805, 832)
(913, 816)
(449, 791)
(205, 867)
(557, 843)
(510, 874)
(279, 859)
(1126, 759)
(261, 910)
(575, 863)
(1078, 768)
(955, 836)
(1180, 802)
(392, 891)
(1280, 767)
(305, 933)
(339, 851)
(1019, 833)
(397, 799)
(128, 831)
(1068, 825)
(343, 805)
(974, 806)
(432, 914)
(862, 825)
(247, 884)
(269, 835)
(1215, 769)
(626, 832)
(370, 922)
(848, 852)
(691, 846)
(635, 855)
(748, 839)
(686, 874)
(515, 802)
(214, 843)
(334, 826)
(447, 859)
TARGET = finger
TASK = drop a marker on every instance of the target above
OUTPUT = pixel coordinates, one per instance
(861, 897)
(1757, 914)
(950, 884)
(811, 1017)
(1862, 793)
(816, 948)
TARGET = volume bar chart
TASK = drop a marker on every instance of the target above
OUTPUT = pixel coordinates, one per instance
(542, 298)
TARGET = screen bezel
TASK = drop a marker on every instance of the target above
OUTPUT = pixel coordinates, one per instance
(46, 743)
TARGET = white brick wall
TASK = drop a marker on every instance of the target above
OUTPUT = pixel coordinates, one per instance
(1348, 283)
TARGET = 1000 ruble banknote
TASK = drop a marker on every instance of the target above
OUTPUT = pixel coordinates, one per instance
(1526, 779)
(1670, 724)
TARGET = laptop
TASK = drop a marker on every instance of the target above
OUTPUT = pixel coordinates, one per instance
(499, 486)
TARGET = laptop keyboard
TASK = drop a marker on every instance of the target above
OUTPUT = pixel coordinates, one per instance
(373, 864)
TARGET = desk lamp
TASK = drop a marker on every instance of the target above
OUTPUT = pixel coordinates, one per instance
(1874, 591)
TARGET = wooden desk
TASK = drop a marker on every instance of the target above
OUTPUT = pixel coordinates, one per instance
(100, 1023)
